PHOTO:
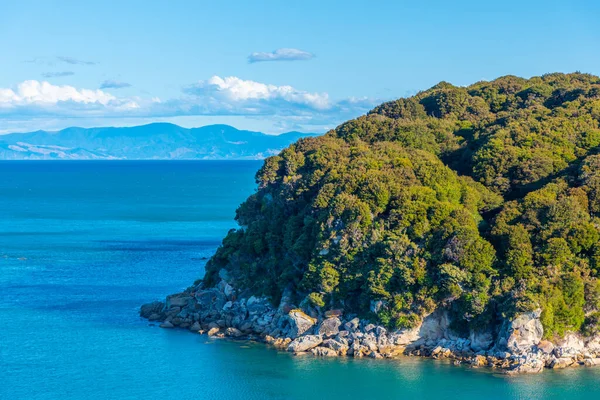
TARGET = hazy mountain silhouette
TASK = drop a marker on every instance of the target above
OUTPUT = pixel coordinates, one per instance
(153, 141)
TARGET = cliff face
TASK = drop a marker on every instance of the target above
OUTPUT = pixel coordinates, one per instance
(516, 346)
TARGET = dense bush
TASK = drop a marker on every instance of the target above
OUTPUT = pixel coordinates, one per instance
(484, 198)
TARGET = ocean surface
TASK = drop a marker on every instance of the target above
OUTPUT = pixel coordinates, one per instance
(84, 244)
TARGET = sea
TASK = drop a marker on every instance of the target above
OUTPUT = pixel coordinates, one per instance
(84, 243)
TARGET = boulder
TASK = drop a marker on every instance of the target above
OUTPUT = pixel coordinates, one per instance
(210, 300)
(178, 300)
(304, 343)
(213, 331)
(339, 347)
(330, 327)
(323, 352)
(352, 325)
(522, 333)
(233, 332)
(560, 363)
(167, 324)
(435, 326)
(531, 367)
(569, 346)
(151, 309)
(300, 323)
(257, 305)
(195, 327)
(368, 328)
(593, 343)
(334, 313)
(591, 362)
(546, 347)
(481, 340)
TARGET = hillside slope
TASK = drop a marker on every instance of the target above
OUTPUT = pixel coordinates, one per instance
(482, 198)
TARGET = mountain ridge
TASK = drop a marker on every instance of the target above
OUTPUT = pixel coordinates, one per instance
(158, 141)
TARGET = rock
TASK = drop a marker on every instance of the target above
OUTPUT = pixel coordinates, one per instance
(435, 326)
(370, 342)
(213, 331)
(357, 350)
(375, 354)
(591, 362)
(405, 337)
(178, 300)
(152, 309)
(195, 327)
(368, 328)
(479, 361)
(522, 333)
(380, 331)
(305, 343)
(481, 340)
(257, 305)
(569, 346)
(546, 347)
(285, 305)
(224, 275)
(324, 352)
(300, 323)
(377, 305)
(352, 325)
(333, 313)
(560, 363)
(593, 343)
(330, 327)
(233, 332)
(210, 300)
(155, 317)
(339, 347)
(166, 324)
(532, 367)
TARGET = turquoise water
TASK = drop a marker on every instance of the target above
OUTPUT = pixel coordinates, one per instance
(83, 244)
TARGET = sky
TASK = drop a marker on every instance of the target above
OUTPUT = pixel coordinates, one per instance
(271, 66)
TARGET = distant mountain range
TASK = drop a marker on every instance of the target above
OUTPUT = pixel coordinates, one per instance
(154, 141)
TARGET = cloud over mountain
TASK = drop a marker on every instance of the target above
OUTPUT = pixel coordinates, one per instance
(289, 107)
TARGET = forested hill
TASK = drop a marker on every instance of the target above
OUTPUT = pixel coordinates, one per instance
(153, 141)
(483, 199)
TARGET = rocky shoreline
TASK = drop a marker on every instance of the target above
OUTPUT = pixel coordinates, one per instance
(517, 347)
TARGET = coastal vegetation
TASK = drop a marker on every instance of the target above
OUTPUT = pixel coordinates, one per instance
(483, 199)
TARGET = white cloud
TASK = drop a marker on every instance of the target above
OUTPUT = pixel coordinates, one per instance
(280, 55)
(215, 97)
(232, 91)
(44, 93)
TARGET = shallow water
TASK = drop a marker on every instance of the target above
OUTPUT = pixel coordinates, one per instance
(83, 244)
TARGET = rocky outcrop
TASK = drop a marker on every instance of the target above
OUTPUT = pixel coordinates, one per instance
(305, 343)
(522, 333)
(515, 348)
(300, 323)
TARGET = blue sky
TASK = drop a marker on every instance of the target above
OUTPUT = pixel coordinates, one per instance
(268, 65)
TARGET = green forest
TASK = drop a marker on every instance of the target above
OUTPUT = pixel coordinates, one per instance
(482, 199)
